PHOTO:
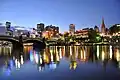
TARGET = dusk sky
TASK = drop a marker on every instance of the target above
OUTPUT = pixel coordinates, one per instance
(82, 13)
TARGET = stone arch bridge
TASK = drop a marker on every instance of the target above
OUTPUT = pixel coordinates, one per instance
(16, 40)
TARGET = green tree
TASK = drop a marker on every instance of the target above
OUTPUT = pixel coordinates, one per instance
(93, 35)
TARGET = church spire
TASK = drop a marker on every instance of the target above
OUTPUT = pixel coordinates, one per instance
(103, 26)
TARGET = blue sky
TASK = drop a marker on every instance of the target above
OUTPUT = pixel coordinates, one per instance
(82, 13)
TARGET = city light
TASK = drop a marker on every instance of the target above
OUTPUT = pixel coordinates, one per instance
(117, 55)
(82, 54)
(103, 55)
(41, 61)
(98, 51)
(60, 53)
(31, 56)
(70, 50)
(22, 61)
(36, 58)
(53, 65)
(111, 52)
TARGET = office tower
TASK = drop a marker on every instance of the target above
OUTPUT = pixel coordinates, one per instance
(8, 29)
(40, 27)
(8, 25)
(72, 28)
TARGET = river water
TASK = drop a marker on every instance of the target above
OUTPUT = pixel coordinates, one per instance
(99, 62)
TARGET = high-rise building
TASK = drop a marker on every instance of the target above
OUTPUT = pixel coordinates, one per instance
(72, 28)
(8, 25)
(8, 28)
(40, 27)
(103, 27)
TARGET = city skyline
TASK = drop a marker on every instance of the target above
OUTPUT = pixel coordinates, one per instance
(82, 13)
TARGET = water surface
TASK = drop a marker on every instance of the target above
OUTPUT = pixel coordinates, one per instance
(60, 63)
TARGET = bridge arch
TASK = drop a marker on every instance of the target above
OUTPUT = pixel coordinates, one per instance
(32, 41)
(37, 43)
(9, 38)
(14, 40)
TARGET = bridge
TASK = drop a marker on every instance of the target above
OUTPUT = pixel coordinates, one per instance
(9, 38)
(16, 39)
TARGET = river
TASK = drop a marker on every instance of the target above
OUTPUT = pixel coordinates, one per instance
(99, 62)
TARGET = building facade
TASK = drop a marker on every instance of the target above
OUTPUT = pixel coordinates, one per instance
(72, 28)
(40, 27)
(52, 30)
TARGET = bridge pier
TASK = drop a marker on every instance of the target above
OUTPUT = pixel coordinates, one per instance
(39, 45)
(17, 50)
(17, 46)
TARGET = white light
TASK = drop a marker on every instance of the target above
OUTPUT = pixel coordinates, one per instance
(117, 55)
(81, 54)
(18, 64)
(118, 25)
(41, 60)
(22, 59)
(98, 51)
(84, 54)
(110, 52)
(51, 57)
(103, 55)
(70, 50)
(57, 56)
(40, 68)
(60, 53)
(36, 58)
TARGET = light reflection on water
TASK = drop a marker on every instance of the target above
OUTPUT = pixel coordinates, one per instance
(52, 56)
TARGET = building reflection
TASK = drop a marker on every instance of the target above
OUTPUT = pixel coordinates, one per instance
(51, 56)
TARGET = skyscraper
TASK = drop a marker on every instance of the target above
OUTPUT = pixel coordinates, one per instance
(72, 28)
(8, 28)
(103, 27)
(8, 25)
(40, 27)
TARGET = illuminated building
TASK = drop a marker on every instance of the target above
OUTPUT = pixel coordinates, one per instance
(81, 33)
(103, 27)
(53, 30)
(72, 28)
(46, 34)
(116, 26)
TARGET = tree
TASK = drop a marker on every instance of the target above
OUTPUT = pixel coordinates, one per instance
(114, 29)
(93, 35)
